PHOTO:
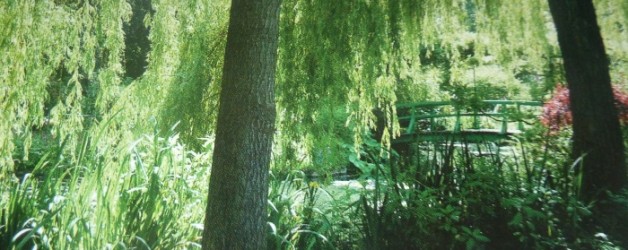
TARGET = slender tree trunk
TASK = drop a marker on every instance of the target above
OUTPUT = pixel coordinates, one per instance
(137, 44)
(238, 189)
(596, 132)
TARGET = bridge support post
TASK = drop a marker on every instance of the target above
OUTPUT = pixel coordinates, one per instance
(504, 128)
(458, 124)
(476, 121)
(519, 122)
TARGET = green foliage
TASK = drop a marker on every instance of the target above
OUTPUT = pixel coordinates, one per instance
(311, 215)
(41, 39)
(433, 211)
(472, 196)
(152, 195)
(143, 198)
(295, 220)
(64, 64)
(367, 59)
(339, 64)
(191, 99)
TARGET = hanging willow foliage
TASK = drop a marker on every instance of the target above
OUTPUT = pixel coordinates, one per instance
(331, 61)
(613, 20)
(63, 69)
(356, 54)
(339, 61)
(197, 78)
(62, 65)
(181, 85)
(50, 52)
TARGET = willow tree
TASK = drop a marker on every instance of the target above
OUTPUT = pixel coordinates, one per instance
(52, 51)
(238, 187)
(64, 61)
(343, 60)
(191, 100)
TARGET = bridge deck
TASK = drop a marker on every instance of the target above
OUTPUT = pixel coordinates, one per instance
(471, 135)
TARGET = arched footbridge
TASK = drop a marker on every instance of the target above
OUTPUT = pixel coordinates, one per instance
(488, 120)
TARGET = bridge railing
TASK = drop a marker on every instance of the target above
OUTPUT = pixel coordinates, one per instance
(427, 114)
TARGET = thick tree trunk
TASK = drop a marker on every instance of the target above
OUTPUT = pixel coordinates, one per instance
(137, 44)
(596, 132)
(238, 189)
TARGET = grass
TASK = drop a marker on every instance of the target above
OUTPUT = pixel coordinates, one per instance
(149, 194)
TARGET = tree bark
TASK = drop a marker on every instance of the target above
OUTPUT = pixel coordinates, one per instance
(596, 131)
(238, 189)
(137, 44)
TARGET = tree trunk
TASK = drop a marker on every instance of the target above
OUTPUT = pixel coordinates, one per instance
(137, 44)
(596, 132)
(238, 188)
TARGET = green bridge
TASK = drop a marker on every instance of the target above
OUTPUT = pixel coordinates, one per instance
(488, 120)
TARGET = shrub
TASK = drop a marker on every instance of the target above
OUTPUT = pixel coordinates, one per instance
(557, 114)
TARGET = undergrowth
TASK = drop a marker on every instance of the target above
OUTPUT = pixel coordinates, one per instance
(151, 194)
(147, 195)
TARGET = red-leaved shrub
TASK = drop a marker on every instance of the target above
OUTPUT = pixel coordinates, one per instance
(557, 114)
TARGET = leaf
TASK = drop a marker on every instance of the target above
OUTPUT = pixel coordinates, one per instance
(470, 244)
(273, 228)
(478, 235)
(516, 221)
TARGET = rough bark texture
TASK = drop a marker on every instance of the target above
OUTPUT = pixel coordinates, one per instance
(238, 189)
(136, 39)
(596, 131)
